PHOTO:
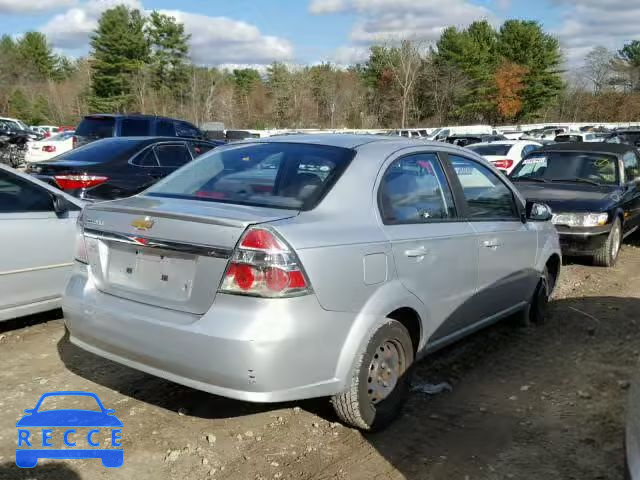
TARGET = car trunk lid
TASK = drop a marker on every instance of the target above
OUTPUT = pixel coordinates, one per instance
(170, 253)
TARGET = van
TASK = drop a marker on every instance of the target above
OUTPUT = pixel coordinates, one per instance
(96, 127)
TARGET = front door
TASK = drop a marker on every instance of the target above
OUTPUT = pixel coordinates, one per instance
(36, 246)
(506, 246)
(434, 251)
(631, 196)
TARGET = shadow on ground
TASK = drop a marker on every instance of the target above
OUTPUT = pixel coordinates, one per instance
(30, 321)
(518, 407)
(54, 471)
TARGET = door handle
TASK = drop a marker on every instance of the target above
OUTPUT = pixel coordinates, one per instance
(416, 252)
(491, 244)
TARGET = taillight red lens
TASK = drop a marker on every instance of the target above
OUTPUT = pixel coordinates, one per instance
(503, 164)
(260, 239)
(263, 265)
(49, 148)
(76, 182)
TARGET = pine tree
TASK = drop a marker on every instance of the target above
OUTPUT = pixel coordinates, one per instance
(119, 50)
(169, 53)
(34, 49)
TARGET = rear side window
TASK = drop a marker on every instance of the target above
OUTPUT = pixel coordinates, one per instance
(172, 155)
(20, 196)
(165, 128)
(414, 189)
(146, 159)
(200, 148)
(96, 127)
(280, 175)
(135, 127)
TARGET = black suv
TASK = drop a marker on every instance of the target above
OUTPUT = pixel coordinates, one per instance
(96, 127)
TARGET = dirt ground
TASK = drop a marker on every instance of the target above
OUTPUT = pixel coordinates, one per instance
(545, 402)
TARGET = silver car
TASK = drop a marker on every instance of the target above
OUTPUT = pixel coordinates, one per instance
(307, 266)
(37, 236)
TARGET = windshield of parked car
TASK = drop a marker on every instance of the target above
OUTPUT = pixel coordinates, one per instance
(279, 175)
(568, 138)
(60, 137)
(552, 166)
(492, 149)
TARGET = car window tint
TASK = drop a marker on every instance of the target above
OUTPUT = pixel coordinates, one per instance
(135, 127)
(278, 175)
(184, 129)
(528, 149)
(631, 166)
(96, 127)
(487, 196)
(172, 155)
(491, 149)
(414, 189)
(103, 151)
(18, 195)
(165, 128)
(146, 159)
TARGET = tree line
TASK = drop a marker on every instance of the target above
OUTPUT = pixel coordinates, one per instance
(479, 74)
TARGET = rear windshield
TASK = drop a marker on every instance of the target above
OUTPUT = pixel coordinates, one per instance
(96, 127)
(281, 175)
(599, 168)
(568, 138)
(492, 149)
(102, 150)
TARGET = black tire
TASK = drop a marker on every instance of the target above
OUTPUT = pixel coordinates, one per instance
(536, 311)
(607, 254)
(355, 406)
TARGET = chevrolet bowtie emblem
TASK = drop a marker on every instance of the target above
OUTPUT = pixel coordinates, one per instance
(145, 223)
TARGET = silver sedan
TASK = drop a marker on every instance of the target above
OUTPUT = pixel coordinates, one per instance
(37, 236)
(307, 266)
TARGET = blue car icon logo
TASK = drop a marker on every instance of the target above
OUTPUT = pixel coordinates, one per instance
(32, 447)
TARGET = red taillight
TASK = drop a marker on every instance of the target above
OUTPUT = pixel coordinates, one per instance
(503, 164)
(263, 265)
(76, 182)
(49, 148)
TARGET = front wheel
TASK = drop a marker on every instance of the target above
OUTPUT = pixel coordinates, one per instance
(607, 254)
(380, 381)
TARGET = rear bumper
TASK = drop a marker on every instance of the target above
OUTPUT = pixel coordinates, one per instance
(259, 350)
(583, 241)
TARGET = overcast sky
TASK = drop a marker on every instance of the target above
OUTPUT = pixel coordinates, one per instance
(258, 32)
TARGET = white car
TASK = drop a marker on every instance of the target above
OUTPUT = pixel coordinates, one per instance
(50, 147)
(38, 225)
(13, 123)
(505, 155)
(46, 130)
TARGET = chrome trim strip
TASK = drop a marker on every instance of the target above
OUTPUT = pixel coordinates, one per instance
(141, 241)
(36, 269)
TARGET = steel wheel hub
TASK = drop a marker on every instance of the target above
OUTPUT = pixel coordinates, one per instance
(616, 243)
(384, 371)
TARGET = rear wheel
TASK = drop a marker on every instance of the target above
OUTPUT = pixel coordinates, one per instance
(536, 311)
(607, 254)
(380, 381)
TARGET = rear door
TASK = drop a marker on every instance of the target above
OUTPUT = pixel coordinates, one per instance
(434, 249)
(36, 246)
(506, 246)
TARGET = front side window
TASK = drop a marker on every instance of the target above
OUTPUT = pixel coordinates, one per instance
(487, 196)
(414, 189)
(278, 175)
(631, 166)
(583, 167)
(17, 195)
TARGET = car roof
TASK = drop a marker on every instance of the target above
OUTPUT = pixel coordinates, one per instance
(344, 140)
(600, 147)
(127, 115)
(503, 142)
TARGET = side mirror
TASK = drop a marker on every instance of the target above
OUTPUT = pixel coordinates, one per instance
(60, 205)
(538, 212)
